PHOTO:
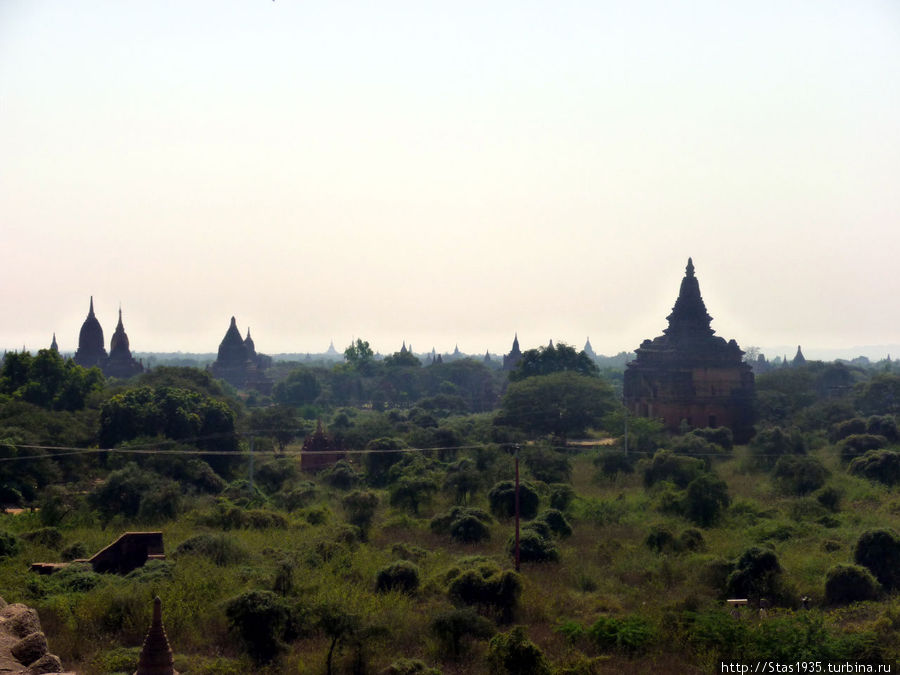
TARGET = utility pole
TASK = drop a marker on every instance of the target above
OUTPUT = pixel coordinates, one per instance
(626, 429)
(517, 508)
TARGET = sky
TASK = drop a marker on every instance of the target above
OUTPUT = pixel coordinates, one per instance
(448, 173)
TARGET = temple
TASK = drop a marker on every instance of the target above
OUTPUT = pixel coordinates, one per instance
(120, 362)
(239, 364)
(511, 360)
(689, 376)
(90, 351)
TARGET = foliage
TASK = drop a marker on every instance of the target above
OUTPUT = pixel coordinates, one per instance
(259, 618)
(706, 499)
(340, 475)
(380, 459)
(562, 403)
(9, 545)
(850, 583)
(561, 496)
(772, 443)
(879, 550)
(720, 436)
(47, 380)
(489, 589)
(757, 574)
(400, 576)
(410, 491)
(546, 464)
(556, 521)
(359, 355)
(452, 626)
(880, 395)
(799, 475)
(179, 414)
(46, 536)
(220, 549)
(279, 422)
(301, 387)
(463, 524)
(550, 359)
(134, 492)
(360, 509)
(502, 499)
(878, 465)
(463, 480)
(857, 445)
(666, 466)
(409, 667)
(513, 653)
(534, 546)
(631, 635)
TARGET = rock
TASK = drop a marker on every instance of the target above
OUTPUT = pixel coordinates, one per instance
(2, 603)
(48, 663)
(19, 620)
(30, 648)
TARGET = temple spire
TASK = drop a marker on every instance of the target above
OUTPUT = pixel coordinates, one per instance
(91, 310)
(156, 654)
(689, 270)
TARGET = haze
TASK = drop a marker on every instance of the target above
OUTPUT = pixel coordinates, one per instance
(448, 173)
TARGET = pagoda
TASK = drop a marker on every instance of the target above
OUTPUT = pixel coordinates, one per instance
(238, 362)
(688, 375)
(511, 360)
(121, 363)
(90, 351)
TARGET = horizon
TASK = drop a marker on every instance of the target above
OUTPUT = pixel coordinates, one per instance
(446, 175)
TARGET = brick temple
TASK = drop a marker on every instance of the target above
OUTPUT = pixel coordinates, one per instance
(690, 376)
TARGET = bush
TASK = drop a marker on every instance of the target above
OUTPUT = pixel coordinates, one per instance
(705, 500)
(556, 521)
(660, 540)
(442, 524)
(884, 425)
(533, 547)
(877, 465)
(830, 498)
(561, 495)
(840, 431)
(666, 466)
(757, 575)
(859, 444)
(799, 475)
(259, 617)
(360, 508)
(611, 463)
(452, 626)
(340, 476)
(547, 465)
(9, 545)
(220, 549)
(469, 529)
(770, 444)
(48, 537)
(400, 576)
(850, 583)
(488, 589)
(74, 551)
(879, 550)
(297, 496)
(409, 667)
(720, 436)
(631, 635)
(691, 540)
(502, 499)
(513, 653)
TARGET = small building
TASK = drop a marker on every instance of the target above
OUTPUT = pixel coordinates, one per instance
(688, 375)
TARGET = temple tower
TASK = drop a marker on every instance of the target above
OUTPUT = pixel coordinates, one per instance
(688, 374)
(90, 351)
(156, 654)
(121, 363)
(511, 360)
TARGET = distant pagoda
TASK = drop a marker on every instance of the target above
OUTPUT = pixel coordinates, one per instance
(689, 376)
(238, 363)
(120, 362)
(511, 360)
(90, 351)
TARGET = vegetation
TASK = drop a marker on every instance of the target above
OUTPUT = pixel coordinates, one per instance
(398, 557)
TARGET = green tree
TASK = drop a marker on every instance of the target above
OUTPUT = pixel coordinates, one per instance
(259, 618)
(550, 359)
(879, 550)
(561, 404)
(513, 653)
(360, 508)
(300, 388)
(705, 500)
(360, 356)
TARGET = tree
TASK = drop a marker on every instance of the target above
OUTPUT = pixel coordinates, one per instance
(259, 617)
(850, 583)
(502, 499)
(452, 626)
(879, 550)
(561, 404)
(550, 359)
(301, 387)
(47, 380)
(360, 508)
(706, 499)
(513, 653)
(279, 422)
(360, 356)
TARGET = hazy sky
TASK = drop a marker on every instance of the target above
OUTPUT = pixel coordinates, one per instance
(448, 172)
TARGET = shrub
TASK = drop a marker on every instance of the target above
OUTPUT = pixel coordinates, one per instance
(850, 583)
(884, 425)
(502, 499)
(879, 550)
(721, 436)
(611, 463)
(49, 537)
(632, 634)
(220, 549)
(533, 547)
(859, 444)
(488, 589)
(692, 444)
(840, 431)
(297, 496)
(74, 551)
(259, 618)
(443, 523)
(513, 653)
(9, 545)
(770, 444)
(799, 475)
(561, 495)
(379, 463)
(409, 667)
(705, 500)
(691, 540)
(877, 465)
(469, 529)
(340, 476)
(666, 466)
(757, 575)
(547, 465)
(452, 626)
(244, 494)
(400, 576)
(660, 540)
(409, 491)
(556, 521)
(360, 508)
(830, 498)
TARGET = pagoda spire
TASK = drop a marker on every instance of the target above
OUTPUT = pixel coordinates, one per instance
(91, 310)
(689, 317)
(156, 654)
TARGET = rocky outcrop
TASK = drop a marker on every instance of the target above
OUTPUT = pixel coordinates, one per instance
(23, 647)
